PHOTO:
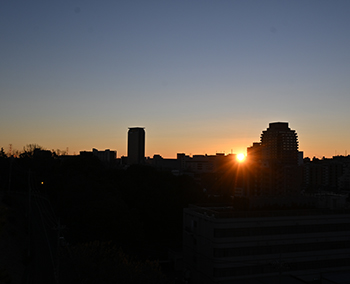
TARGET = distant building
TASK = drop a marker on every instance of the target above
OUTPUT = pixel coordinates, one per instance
(327, 174)
(136, 145)
(164, 164)
(106, 156)
(221, 245)
(197, 164)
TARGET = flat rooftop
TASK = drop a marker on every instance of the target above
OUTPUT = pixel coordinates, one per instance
(222, 212)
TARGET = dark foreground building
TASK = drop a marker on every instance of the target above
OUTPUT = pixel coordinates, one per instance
(221, 245)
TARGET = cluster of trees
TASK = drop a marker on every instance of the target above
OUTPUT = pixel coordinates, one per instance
(130, 206)
(103, 262)
(28, 150)
(138, 209)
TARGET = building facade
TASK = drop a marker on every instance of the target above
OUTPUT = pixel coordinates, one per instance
(279, 144)
(221, 245)
(327, 174)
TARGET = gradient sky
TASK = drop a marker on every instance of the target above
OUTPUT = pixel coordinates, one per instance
(200, 76)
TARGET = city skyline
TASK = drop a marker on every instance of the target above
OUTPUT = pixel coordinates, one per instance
(240, 155)
(200, 77)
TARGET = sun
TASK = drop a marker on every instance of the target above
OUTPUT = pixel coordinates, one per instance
(240, 157)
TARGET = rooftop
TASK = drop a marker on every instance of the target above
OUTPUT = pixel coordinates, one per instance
(222, 212)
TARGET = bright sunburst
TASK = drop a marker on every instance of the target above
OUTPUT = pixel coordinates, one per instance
(240, 157)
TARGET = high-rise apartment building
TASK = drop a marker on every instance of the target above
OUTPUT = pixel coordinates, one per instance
(276, 161)
(136, 145)
(279, 144)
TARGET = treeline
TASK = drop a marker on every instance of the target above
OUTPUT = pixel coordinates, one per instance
(136, 208)
(136, 211)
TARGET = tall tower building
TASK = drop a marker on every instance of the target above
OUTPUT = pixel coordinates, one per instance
(136, 145)
(276, 161)
(279, 160)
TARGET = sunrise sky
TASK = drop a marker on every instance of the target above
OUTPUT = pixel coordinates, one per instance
(200, 76)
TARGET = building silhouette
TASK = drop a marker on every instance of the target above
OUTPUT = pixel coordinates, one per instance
(196, 164)
(275, 162)
(279, 144)
(106, 156)
(136, 145)
(326, 174)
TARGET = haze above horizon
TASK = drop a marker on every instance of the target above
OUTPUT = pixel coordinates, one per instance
(201, 77)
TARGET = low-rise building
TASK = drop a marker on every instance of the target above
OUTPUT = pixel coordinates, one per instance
(106, 156)
(221, 245)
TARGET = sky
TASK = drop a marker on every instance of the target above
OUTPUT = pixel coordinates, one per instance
(201, 76)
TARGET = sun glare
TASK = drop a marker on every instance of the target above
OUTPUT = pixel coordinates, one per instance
(240, 157)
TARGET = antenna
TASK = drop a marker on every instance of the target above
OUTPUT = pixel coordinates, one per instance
(10, 150)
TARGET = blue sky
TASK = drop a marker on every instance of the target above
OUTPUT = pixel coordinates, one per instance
(200, 76)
